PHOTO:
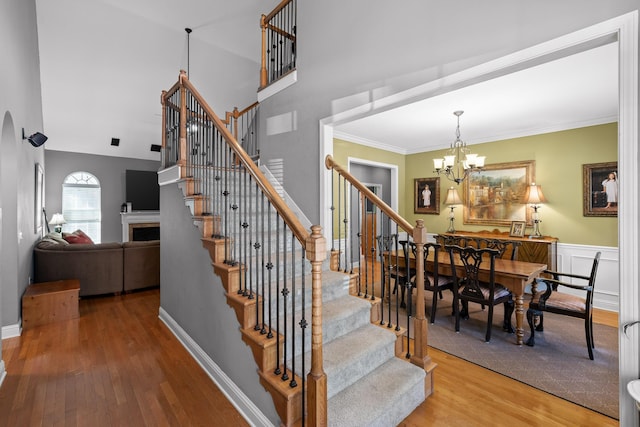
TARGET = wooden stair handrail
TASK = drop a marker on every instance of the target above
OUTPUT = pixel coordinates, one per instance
(277, 10)
(402, 223)
(279, 204)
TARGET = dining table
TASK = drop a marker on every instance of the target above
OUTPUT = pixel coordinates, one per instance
(512, 274)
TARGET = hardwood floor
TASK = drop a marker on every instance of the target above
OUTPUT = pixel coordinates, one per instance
(119, 365)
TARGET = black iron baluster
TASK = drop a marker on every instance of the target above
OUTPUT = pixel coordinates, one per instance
(293, 382)
(340, 213)
(358, 199)
(263, 266)
(285, 294)
(346, 225)
(269, 268)
(277, 370)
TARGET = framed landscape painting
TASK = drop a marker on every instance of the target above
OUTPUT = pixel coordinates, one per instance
(600, 189)
(495, 195)
(426, 197)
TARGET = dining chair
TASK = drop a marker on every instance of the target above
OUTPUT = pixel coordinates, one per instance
(468, 287)
(401, 275)
(433, 281)
(447, 240)
(553, 301)
(508, 248)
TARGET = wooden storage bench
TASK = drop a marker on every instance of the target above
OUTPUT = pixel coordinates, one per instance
(49, 302)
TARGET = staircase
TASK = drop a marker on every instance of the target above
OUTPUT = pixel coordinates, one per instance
(347, 371)
(359, 357)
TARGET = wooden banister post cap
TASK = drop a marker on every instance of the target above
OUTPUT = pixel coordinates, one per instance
(316, 246)
(419, 232)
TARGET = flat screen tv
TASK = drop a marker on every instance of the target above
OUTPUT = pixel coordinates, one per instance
(143, 191)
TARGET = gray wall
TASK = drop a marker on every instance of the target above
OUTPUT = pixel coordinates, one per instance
(109, 170)
(193, 295)
(372, 49)
(20, 107)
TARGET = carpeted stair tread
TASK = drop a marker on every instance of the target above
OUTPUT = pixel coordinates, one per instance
(383, 398)
(355, 355)
(342, 315)
(339, 317)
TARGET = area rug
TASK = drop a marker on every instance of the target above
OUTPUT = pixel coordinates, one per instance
(558, 364)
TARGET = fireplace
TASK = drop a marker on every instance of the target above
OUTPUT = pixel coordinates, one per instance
(144, 231)
(141, 225)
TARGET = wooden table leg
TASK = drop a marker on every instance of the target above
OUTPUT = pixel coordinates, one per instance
(519, 319)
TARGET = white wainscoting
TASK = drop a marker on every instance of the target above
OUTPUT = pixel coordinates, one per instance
(577, 259)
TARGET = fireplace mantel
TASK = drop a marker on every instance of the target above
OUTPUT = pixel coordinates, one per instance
(138, 217)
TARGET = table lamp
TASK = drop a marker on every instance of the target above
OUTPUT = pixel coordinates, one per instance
(57, 220)
(452, 199)
(534, 197)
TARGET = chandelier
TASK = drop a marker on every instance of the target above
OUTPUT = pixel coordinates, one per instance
(454, 166)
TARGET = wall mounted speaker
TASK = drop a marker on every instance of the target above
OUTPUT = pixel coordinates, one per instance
(37, 139)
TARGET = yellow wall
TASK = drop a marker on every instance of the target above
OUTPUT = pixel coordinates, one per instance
(558, 157)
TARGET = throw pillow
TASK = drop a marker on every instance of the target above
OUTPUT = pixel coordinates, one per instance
(77, 237)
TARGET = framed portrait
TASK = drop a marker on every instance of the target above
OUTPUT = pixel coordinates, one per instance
(426, 196)
(600, 189)
(39, 199)
(495, 195)
(517, 228)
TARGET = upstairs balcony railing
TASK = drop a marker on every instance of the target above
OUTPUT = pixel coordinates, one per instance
(278, 42)
(244, 126)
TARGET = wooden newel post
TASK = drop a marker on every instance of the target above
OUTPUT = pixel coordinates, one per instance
(263, 56)
(182, 150)
(316, 249)
(420, 356)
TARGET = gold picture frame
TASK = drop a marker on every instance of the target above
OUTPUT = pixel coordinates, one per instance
(426, 196)
(495, 195)
(596, 199)
(517, 229)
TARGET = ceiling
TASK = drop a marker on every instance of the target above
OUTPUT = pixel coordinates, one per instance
(101, 79)
(575, 91)
(104, 64)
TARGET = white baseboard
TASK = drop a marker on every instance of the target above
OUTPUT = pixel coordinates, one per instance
(250, 412)
(11, 331)
(3, 372)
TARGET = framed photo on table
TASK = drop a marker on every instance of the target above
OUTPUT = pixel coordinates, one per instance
(426, 196)
(600, 189)
(495, 195)
(517, 229)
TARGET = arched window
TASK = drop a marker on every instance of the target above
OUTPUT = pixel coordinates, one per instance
(81, 204)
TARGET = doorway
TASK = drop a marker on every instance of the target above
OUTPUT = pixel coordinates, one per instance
(370, 223)
(624, 30)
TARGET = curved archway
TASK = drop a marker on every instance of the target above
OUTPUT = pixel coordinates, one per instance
(8, 221)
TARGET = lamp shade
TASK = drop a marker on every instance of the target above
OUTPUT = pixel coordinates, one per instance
(452, 197)
(534, 195)
(57, 219)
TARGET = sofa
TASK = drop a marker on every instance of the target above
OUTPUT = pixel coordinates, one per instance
(102, 268)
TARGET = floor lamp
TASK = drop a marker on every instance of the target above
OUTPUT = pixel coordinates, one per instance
(452, 199)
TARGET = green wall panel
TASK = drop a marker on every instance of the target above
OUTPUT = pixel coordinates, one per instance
(558, 157)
